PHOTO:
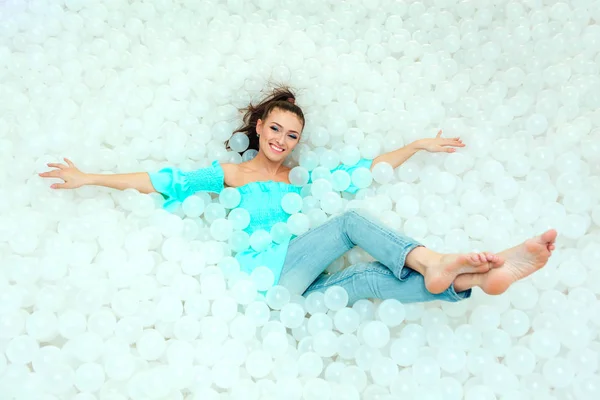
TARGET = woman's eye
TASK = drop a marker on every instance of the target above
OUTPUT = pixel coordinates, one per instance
(293, 136)
(274, 128)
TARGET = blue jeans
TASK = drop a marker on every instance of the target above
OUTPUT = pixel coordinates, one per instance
(388, 278)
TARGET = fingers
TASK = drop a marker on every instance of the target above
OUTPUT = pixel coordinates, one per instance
(62, 166)
(58, 186)
(453, 143)
(56, 165)
(450, 142)
(50, 174)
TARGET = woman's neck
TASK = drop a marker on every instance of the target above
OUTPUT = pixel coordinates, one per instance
(263, 165)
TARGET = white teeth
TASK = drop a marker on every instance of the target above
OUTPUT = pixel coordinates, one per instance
(276, 148)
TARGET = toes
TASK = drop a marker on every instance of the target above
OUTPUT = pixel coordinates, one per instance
(494, 260)
(474, 259)
(477, 259)
(498, 261)
(549, 236)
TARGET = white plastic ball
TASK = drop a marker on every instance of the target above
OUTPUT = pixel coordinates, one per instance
(404, 351)
(292, 315)
(291, 203)
(151, 344)
(336, 298)
(391, 312)
(340, 180)
(260, 240)
(277, 297)
(239, 218)
(362, 178)
(376, 334)
(230, 197)
(298, 224)
(193, 206)
(383, 173)
(263, 278)
(239, 142)
(89, 377)
(280, 232)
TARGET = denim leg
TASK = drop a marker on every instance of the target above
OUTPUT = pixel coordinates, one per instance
(374, 280)
(311, 253)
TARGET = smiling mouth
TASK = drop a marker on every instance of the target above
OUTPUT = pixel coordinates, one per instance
(276, 149)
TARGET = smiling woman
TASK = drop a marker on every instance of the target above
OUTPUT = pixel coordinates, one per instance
(280, 130)
(281, 99)
(276, 241)
(296, 257)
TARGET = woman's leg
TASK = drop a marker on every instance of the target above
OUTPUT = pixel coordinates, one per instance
(311, 253)
(375, 280)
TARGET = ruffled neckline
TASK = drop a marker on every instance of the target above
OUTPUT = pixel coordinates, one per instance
(265, 186)
(268, 186)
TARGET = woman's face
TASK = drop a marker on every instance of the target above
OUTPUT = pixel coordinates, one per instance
(281, 129)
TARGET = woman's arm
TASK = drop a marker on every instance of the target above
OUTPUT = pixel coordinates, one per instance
(436, 145)
(74, 178)
(397, 157)
(136, 180)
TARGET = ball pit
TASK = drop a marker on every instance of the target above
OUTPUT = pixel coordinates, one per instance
(104, 295)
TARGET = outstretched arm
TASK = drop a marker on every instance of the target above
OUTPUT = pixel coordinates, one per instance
(74, 178)
(438, 144)
(397, 157)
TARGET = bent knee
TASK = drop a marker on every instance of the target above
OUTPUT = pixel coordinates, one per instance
(361, 212)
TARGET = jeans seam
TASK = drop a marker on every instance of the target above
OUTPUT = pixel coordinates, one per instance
(313, 230)
(407, 249)
(346, 237)
(386, 232)
(376, 270)
(320, 226)
(408, 246)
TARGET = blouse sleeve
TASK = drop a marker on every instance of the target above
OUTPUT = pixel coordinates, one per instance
(176, 185)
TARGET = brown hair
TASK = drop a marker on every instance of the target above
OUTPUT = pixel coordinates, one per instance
(280, 98)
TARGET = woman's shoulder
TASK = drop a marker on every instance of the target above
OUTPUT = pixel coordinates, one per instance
(231, 174)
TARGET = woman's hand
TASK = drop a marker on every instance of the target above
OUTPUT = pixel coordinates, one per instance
(69, 173)
(440, 144)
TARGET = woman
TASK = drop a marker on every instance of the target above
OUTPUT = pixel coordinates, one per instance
(405, 270)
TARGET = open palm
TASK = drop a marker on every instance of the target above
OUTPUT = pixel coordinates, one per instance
(69, 173)
(440, 144)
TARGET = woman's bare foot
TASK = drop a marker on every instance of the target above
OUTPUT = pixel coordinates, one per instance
(521, 261)
(440, 276)
(440, 270)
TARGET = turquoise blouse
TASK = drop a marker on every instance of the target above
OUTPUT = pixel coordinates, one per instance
(262, 200)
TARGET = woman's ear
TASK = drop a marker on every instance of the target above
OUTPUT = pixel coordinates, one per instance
(259, 126)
